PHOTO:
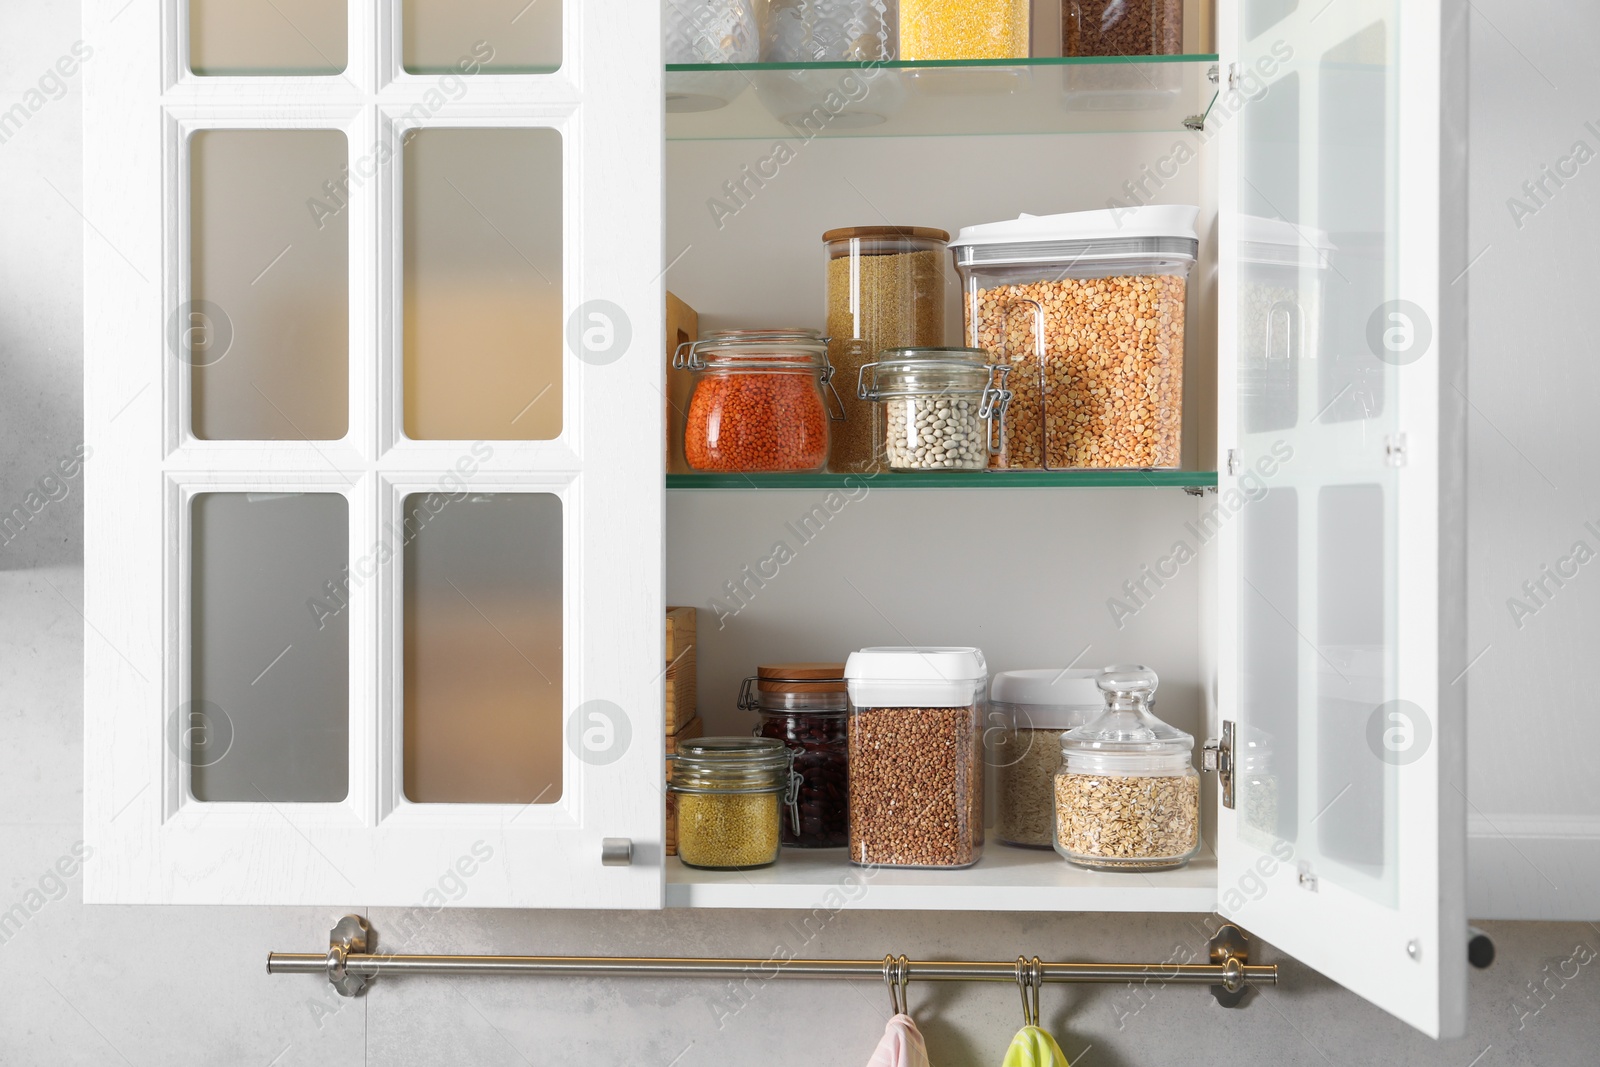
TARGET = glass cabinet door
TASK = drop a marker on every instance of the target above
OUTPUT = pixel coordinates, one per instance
(374, 528)
(1344, 841)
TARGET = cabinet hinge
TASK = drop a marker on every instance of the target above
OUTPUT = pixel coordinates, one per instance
(1233, 462)
(1233, 75)
(1308, 880)
(1394, 449)
(1218, 756)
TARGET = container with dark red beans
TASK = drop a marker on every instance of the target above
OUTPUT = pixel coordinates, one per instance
(804, 705)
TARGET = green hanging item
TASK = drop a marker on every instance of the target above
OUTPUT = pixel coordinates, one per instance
(1032, 1047)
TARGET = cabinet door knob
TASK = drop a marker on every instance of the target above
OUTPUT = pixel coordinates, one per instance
(616, 852)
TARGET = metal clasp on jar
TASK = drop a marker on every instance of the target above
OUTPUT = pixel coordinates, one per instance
(826, 378)
(747, 696)
(690, 360)
(992, 408)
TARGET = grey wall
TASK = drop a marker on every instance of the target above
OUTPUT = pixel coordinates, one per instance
(179, 986)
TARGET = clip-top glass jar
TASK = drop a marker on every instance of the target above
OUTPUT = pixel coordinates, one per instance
(935, 408)
(757, 402)
(1127, 793)
(804, 706)
(733, 795)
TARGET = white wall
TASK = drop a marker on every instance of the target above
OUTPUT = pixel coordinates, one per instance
(1535, 482)
(179, 986)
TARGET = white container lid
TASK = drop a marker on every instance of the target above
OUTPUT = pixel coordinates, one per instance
(890, 676)
(1153, 220)
(1055, 698)
(1272, 241)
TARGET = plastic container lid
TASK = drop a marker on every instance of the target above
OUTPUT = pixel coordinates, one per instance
(1055, 698)
(1149, 221)
(1278, 241)
(908, 676)
(1126, 738)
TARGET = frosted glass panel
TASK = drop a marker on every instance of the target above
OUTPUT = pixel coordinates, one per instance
(1322, 730)
(1268, 739)
(268, 717)
(483, 328)
(497, 36)
(266, 333)
(267, 36)
(483, 628)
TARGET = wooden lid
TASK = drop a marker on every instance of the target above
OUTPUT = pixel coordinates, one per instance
(926, 233)
(795, 678)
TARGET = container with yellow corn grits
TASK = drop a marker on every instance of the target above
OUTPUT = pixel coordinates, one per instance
(732, 793)
(973, 29)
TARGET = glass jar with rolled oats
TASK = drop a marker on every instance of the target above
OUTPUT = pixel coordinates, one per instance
(1127, 794)
(1087, 311)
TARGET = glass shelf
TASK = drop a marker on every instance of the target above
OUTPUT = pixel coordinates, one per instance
(1048, 94)
(952, 480)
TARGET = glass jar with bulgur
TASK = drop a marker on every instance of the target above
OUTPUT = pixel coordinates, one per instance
(733, 794)
(1127, 793)
(757, 402)
(916, 760)
(1028, 712)
(1087, 310)
(885, 290)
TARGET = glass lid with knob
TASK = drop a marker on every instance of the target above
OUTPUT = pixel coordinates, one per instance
(1127, 728)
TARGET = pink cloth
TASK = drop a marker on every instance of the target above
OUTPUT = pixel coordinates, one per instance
(902, 1045)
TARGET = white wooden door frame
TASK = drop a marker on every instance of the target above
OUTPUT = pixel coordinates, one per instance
(152, 842)
(1409, 959)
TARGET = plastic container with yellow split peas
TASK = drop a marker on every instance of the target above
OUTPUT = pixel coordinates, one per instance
(970, 29)
(732, 794)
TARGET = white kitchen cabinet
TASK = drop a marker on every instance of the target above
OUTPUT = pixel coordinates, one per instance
(442, 370)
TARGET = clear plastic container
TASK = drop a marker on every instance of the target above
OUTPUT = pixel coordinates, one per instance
(1280, 319)
(757, 401)
(831, 31)
(804, 706)
(916, 761)
(706, 31)
(710, 31)
(733, 794)
(1127, 793)
(1087, 310)
(1121, 27)
(968, 29)
(934, 408)
(885, 290)
(1033, 708)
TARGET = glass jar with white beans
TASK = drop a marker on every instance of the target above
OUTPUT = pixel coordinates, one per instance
(934, 408)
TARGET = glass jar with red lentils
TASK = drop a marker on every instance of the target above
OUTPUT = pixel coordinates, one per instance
(757, 401)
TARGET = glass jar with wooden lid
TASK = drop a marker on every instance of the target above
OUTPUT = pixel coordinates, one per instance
(804, 705)
(885, 290)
